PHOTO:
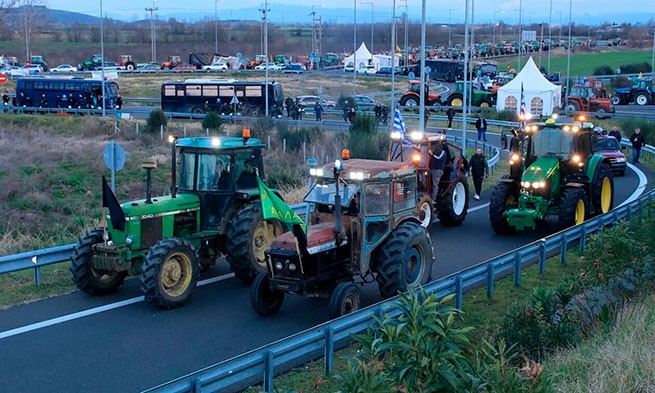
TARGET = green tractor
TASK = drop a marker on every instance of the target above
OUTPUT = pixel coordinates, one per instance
(213, 209)
(479, 98)
(553, 171)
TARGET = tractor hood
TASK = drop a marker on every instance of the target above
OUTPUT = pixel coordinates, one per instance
(541, 169)
(161, 206)
(622, 90)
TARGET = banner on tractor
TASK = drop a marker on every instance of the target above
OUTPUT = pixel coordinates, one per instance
(275, 208)
(110, 201)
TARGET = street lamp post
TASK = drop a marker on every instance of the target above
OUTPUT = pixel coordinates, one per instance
(266, 53)
(568, 55)
(102, 56)
(494, 22)
(393, 61)
(372, 6)
(216, 25)
(450, 14)
(406, 33)
(550, 33)
(652, 62)
(466, 73)
(424, 75)
(354, 48)
(520, 32)
(153, 31)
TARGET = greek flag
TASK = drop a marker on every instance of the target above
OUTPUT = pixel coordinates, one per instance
(399, 124)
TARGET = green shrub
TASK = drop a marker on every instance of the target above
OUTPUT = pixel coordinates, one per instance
(212, 121)
(344, 101)
(156, 120)
(295, 137)
(621, 81)
(603, 70)
(365, 141)
(635, 68)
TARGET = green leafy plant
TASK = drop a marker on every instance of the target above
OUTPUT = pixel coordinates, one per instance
(365, 141)
(212, 121)
(156, 120)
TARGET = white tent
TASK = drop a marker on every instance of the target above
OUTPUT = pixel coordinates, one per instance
(540, 96)
(364, 57)
(380, 61)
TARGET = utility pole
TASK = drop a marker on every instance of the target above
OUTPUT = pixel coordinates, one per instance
(406, 32)
(313, 14)
(153, 31)
(424, 75)
(319, 39)
(392, 107)
(550, 33)
(354, 48)
(263, 9)
(102, 55)
(265, 17)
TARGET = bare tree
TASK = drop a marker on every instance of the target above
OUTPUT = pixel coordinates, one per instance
(29, 12)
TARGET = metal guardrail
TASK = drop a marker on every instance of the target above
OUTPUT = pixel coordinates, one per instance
(259, 365)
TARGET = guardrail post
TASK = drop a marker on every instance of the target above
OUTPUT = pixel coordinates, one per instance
(583, 237)
(542, 256)
(517, 269)
(490, 280)
(268, 371)
(458, 292)
(197, 386)
(640, 211)
(329, 350)
(37, 276)
(563, 249)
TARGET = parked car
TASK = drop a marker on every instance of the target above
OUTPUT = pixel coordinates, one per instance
(13, 71)
(310, 101)
(33, 69)
(150, 67)
(216, 67)
(294, 68)
(64, 68)
(270, 66)
(610, 148)
(365, 103)
(367, 70)
(184, 67)
(110, 66)
(386, 71)
(349, 67)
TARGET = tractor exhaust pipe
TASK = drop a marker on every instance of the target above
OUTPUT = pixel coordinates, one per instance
(149, 166)
(172, 139)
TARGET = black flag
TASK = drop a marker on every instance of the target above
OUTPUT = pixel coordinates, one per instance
(115, 212)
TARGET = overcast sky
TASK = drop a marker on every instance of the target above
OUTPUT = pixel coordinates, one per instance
(438, 10)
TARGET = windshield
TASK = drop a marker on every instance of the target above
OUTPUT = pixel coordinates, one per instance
(552, 141)
(607, 144)
(324, 191)
(403, 153)
(213, 172)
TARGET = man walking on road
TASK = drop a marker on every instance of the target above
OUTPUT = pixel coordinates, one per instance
(481, 125)
(318, 110)
(451, 115)
(479, 170)
(437, 165)
(638, 141)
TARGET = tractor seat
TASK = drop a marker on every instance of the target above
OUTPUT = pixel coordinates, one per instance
(316, 234)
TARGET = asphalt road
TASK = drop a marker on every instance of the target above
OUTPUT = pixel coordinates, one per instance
(133, 346)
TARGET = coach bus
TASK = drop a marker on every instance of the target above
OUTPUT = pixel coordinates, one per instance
(71, 92)
(220, 95)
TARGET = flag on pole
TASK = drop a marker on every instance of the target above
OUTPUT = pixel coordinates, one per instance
(399, 124)
(273, 207)
(115, 211)
(522, 111)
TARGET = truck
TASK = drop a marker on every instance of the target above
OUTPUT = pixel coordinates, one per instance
(590, 96)
(641, 93)
(213, 209)
(364, 227)
(553, 172)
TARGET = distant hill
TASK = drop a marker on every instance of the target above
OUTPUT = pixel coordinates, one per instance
(56, 17)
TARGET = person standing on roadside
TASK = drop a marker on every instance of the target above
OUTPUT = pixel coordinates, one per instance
(481, 125)
(451, 115)
(288, 102)
(638, 141)
(5, 100)
(318, 110)
(437, 165)
(479, 170)
(616, 133)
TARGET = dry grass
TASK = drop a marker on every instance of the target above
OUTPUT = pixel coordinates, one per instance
(621, 360)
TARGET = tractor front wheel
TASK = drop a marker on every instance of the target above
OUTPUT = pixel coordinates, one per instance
(404, 260)
(616, 100)
(602, 192)
(409, 101)
(642, 99)
(264, 300)
(248, 237)
(572, 207)
(344, 300)
(503, 197)
(572, 106)
(169, 273)
(87, 278)
(454, 203)
(424, 210)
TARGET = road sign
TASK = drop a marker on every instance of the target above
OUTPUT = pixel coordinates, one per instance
(114, 156)
(3, 78)
(313, 54)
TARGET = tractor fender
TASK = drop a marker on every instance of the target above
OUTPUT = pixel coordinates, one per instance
(593, 164)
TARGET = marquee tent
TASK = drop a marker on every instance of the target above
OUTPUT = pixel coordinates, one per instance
(364, 57)
(541, 97)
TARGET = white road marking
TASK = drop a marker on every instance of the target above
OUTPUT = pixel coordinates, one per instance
(643, 181)
(92, 311)
(479, 207)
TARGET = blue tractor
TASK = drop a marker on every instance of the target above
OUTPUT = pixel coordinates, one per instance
(641, 93)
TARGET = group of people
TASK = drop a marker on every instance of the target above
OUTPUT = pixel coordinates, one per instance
(63, 101)
(637, 140)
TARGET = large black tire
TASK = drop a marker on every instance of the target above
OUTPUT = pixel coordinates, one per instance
(424, 209)
(504, 196)
(454, 204)
(485, 104)
(409, 101)
(404, 260)
(642, 98)
(345, 299)
(248, 236)
(264, 300)
(602, 191)
(456, 100)
(616, 100)
(169, 273)
(88, 279)
(572, 106)
(601, 113)
(572, 207)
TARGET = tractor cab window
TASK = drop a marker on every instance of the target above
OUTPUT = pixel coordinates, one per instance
(323, 193)
(403, 153)
(187, 168)
(553, 142)
(376, 199)
(213, 172)
(404, 195)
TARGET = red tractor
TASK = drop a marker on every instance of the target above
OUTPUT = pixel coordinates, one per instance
(590, 96)
(171, 62)
(412, 97)
(126, 61)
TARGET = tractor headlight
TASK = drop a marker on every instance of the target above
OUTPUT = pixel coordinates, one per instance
(395, 135)
(514, 158)
(105, 235)
(576, 159)
(279, 265)
(357, 175)
(338, 165)
(292, 267)
(318, 172)
(216, 142)
(538, 184)
(416, 135)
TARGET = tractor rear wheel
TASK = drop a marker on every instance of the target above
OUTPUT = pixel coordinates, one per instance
(86, 277)
(455, 100)
(485, 104)
(572, 207)
(424, 210)
(404, 260)
(503, 197)
(409, 101)
(602, 191)
(169, 273)
(453, 205)
(344, 300)
(248, 236)
(601, 113)
(264, 300)
(642, 98)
